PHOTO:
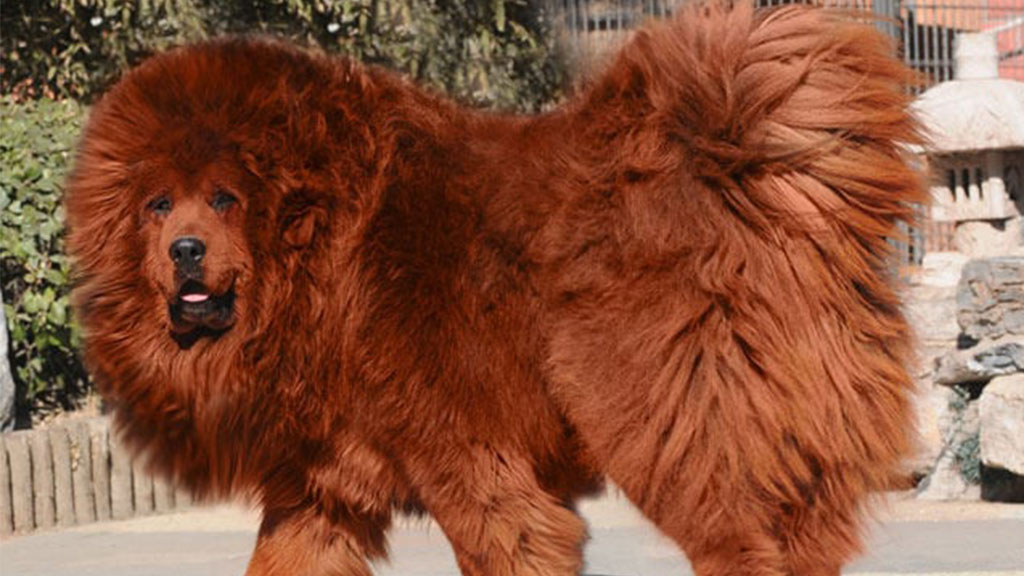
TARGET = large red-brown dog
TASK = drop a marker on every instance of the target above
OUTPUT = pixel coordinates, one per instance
(310, 281)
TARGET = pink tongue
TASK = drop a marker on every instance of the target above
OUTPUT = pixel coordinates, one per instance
(195, 297)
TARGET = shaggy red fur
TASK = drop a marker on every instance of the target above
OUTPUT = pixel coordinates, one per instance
(310, 281)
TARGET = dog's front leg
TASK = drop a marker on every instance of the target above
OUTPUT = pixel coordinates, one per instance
(306, 542)
(498, 519)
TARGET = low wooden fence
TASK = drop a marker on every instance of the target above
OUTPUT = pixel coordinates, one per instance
(75, 473)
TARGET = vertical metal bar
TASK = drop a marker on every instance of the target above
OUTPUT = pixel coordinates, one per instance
(912, 50)
(958, 24)
(921, 249)
(905, 20)
(573, 25)
(586, 28)
(889, 15)
(1015, 67)
(933, 41)
(944, 66)
(570, 17)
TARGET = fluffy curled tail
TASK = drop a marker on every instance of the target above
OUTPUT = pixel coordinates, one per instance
(725, 253)
(798, 115)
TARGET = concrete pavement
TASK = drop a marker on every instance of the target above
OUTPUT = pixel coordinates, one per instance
(913, 538)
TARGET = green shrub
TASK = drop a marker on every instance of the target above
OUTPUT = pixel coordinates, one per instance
(489, 52)
(966, 442)
(36, 141)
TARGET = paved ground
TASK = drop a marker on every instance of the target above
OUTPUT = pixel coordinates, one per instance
(912, 538)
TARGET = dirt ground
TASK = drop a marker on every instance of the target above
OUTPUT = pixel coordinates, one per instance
(909, 538)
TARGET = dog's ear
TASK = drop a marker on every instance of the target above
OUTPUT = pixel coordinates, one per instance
(300, 226)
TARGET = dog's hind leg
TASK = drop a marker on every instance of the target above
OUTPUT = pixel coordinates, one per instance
(305, 541)
(820, 531)
(498, 518)
(749, 431)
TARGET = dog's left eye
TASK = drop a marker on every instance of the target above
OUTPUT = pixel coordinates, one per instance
(222, 201)
(161, 206)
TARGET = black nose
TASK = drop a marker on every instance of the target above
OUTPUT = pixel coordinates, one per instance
(187, 251)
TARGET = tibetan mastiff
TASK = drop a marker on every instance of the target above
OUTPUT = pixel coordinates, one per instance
(310, 281)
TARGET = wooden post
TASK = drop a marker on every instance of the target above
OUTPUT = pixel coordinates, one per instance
(81, 472)
(42, 480)
(142, 482)
(63, 485)
(163, 495)
(100, 455)
(22, 495)
(6, 510)
(182, 497)
(121, 505)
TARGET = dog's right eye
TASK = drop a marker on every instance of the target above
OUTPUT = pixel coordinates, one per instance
(160, 206)
(222, 201)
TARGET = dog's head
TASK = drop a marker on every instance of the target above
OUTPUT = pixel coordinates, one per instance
(203, 180)
(192, 226)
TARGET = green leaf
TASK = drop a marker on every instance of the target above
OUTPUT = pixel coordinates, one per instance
(30, 302)
(499, 15)
(56, 276)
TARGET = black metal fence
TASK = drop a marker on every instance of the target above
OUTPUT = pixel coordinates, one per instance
(929, 29)
(924, 29)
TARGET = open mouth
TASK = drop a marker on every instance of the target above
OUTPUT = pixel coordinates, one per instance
(196, 307)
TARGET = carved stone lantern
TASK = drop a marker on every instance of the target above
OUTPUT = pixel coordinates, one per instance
(975, 124)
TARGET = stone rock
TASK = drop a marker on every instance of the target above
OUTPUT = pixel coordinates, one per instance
(990, 298)
(1001, 423)
(7, 391)
(940, 269)
(986, 239)
(929, 299)
(931, 312)
(998, 485)
(973, 114)
(980, 363)
(930, 404)
(945, 481)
